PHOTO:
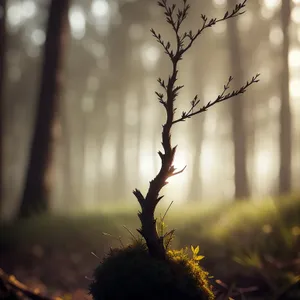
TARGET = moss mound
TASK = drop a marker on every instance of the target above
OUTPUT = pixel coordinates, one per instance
(131, 273)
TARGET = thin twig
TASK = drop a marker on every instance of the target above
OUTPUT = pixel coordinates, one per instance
(167, 211)
(130, 232)
(222, 97)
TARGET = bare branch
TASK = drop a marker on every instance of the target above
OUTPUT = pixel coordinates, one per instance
(213, 21)
(222, 97)
(177, 21)
(130, 232)
(162, 83)
(178, 172)
(166, 46)
(12, 283)
(175, 17)
(167, 211)
(139, 196)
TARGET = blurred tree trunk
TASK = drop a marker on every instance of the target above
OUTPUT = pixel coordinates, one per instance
(119, 60)
(68, 193)
(36, 192)
(77, 126)
(140, 79)
(2, 71)
(197, 138)
(285, 111)
(120, 180)
(237, 111)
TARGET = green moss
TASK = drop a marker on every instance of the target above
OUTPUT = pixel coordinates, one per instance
(131, 273)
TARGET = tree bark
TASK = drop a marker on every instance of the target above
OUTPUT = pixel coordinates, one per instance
(36, 193)
(237, 110)
(285, 111)
(2, 71)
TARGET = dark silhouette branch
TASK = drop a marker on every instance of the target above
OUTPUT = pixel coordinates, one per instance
(175, 17)
(222, 97)
(181, 16)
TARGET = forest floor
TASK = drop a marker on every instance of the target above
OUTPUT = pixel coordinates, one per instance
(251, 247)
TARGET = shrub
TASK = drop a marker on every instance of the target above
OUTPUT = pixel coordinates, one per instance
(132, 273)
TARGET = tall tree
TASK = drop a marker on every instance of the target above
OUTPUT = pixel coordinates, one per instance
(285, 110)
(2, 67)
(143, 18)
(238, 113)
(197, 140)
(120, 51)
(36, 193)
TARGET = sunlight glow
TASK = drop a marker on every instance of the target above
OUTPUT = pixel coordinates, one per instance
(104, 14)
(272, 4)
(146, 165)
(179, 182)
(219, 3)
(180, 160)
(266, 13)
(19, 12)
(130, 156)
(99, 8)
(150, 55)
(263, 163)
(77, 22)
(14, 15)
(207, 161)
(295, 14)
(294, 58)
(295, 87)
(29, 9)
(108, 155)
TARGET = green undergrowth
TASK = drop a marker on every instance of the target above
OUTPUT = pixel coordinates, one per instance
(240, 223)
(259, 237)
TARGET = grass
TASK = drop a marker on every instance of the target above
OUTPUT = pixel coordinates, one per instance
(249, 243)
